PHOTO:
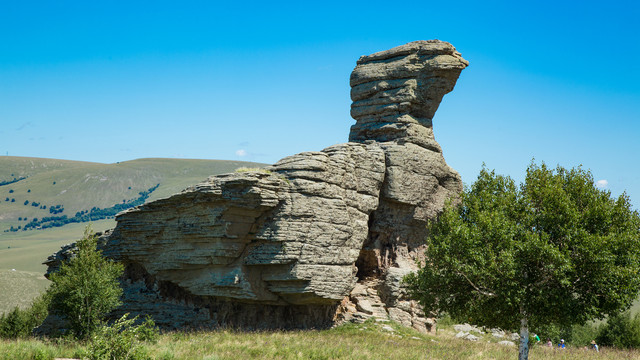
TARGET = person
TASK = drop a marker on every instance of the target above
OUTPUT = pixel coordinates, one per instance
(561, 344)
(549, 343)
(594, 346)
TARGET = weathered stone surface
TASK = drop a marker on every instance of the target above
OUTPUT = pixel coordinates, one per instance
(396, 92)
(411, 80)
(467, 328)
(288, 235)
(315, 239)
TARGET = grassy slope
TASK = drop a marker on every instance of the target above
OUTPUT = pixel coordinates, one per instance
(350, 341)
(81, 186)
(78, 186)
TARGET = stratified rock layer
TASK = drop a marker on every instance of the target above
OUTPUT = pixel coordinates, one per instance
(396, 92)
(319, 237)
(395, 95)
(287, 235)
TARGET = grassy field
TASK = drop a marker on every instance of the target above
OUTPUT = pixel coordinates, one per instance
(77, 186)
(351, 341)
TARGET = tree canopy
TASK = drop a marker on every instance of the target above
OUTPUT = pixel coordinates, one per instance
(555, 250)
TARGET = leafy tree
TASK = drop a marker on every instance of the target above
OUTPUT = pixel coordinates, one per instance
(555, 250)
(86, 287)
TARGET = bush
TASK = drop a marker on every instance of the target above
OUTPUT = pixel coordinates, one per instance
(621, 330)
(122, 339)
(582, 335)
(20, 323)
(86, 287)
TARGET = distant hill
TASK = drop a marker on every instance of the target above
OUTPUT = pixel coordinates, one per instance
(71, 187)
(34, 188)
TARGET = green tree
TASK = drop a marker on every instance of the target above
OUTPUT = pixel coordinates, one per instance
(86, 287)
(555, 250)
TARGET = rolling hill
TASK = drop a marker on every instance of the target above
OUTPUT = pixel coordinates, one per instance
(34, 188)
(37, 188)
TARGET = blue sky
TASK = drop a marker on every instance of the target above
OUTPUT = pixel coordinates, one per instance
(558, 81)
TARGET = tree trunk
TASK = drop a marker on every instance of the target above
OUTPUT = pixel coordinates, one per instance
(524, 339)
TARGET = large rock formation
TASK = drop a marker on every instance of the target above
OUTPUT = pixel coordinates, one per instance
(319, 237)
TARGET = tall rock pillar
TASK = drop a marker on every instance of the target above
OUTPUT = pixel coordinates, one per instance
(395, 95)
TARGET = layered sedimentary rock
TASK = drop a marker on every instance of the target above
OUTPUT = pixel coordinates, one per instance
(396, 92)
(286, 235)
(395, 95)
(315, 239)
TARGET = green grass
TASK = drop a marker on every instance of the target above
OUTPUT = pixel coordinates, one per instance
(18, 288)
(351, 341)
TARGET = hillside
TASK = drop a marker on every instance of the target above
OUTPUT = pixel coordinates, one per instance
(75, 186)
(49, 187)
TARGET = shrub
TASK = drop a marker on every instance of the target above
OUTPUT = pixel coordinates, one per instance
(86, 287)
(621, 330)
(20, 323)
(122, 339)
(581, 335)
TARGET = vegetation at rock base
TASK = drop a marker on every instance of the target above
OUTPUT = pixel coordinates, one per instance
(85, 288)
(122, 340)
(554, 251)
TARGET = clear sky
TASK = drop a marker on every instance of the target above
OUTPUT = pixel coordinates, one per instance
(558, 81)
